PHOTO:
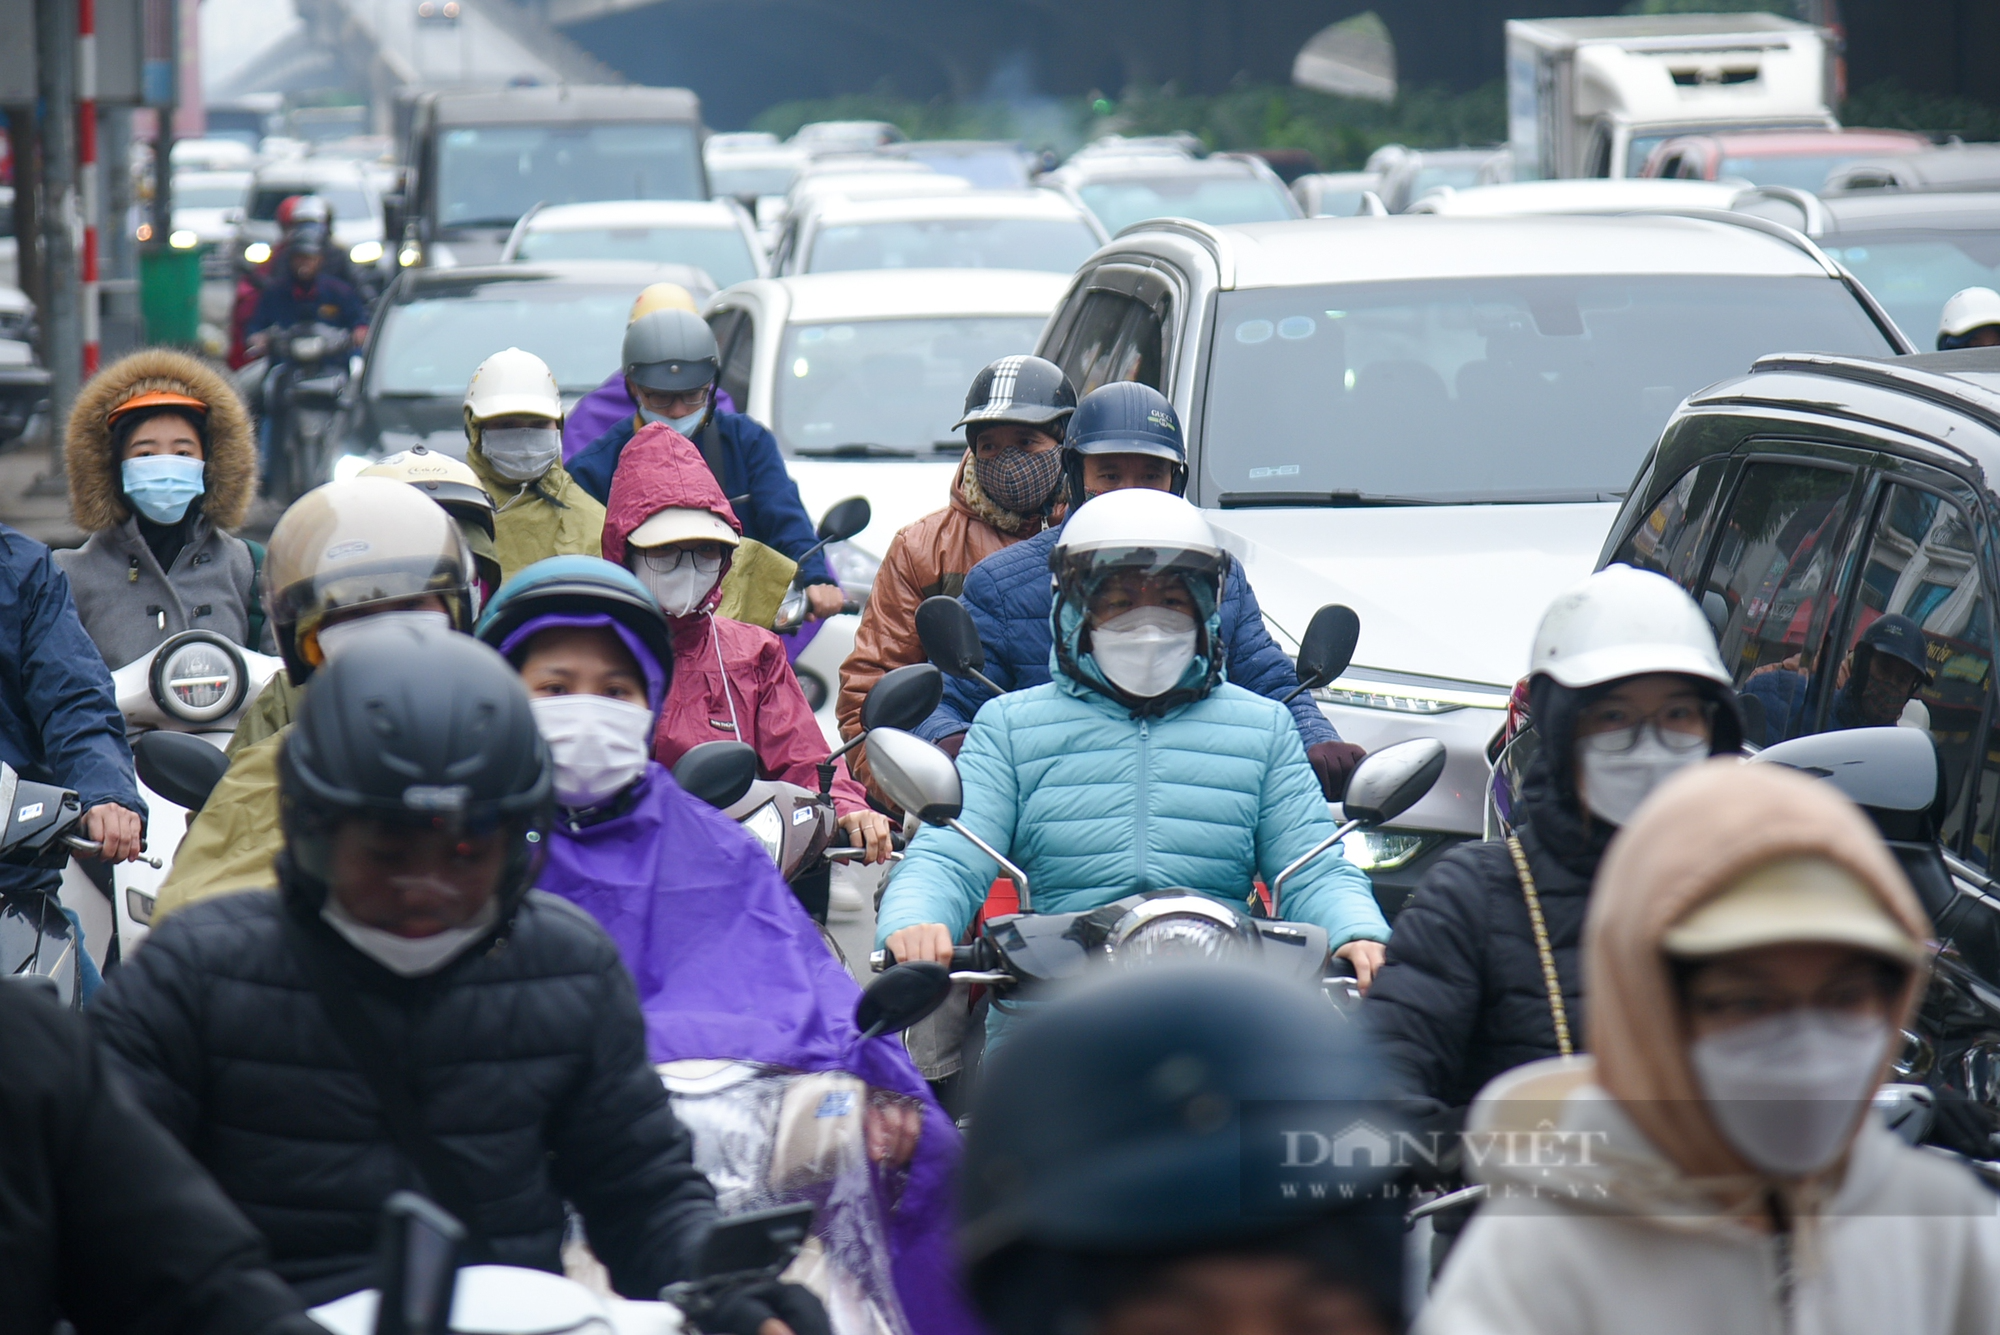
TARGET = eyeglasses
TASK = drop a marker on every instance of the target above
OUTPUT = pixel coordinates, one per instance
(707, 558)
(675, 402)
(1684, 726)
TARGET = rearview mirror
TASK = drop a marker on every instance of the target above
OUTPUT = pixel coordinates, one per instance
(903, 698)
(419, 1264)
(760, 1241)
(1391, 781)
(915, 775)
(718, 773)
(845, 519)
(949, 638)
(1328, 646)
(900, 997)
(179, 766)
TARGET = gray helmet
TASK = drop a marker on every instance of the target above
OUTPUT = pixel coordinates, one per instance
(670, 350)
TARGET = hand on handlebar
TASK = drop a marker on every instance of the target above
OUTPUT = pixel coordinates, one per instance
(926, 941)
(870, 830)
(1367, 957)
(825, 600)
(120, 831)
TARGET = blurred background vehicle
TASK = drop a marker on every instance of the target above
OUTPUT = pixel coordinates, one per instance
(1802, 159)
(1125, 189)
(1955, 167)
(981, 229)
(347, 190)
(818, 137)
(713, 236)
(1598, 194)
(987, 164)
(1411, 175)
(756, 171)
(208, 207)
(1335, 194)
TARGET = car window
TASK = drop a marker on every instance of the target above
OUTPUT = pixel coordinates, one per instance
(722, 252)
(489, 175)
(1114, 337)
(1914, 274)
(1210, 199)
(1770, 585)
(1054, 245)
(344, 201)
(736, 338)
(1670, 539)
(431, 345)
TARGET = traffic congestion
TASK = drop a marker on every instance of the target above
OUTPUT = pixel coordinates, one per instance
(640, 728)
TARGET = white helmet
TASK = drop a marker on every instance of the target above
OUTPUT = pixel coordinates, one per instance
(1136, 517)
(1973, 308)
(512, 383)
(1623, 622)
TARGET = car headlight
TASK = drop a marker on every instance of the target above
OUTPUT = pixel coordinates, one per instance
(767, 827)
(183, 239)
(367, 252)
(1384, 850)
(197, 677)
(257, 252)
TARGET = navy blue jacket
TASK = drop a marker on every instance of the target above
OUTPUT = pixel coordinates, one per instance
(762, 493)
(328, 301)
(1008, 595)
(59, 721)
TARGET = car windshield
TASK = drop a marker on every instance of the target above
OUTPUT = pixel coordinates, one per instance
(1056, 245)
(1807, 171)
(1913, 273)
(1210, 199)
(207, 196)
(891, 387)
(431, 345)
(986, 168)
(725, 182)
(1499, 389)
(489, 175)
(721, 251)
(346, 201)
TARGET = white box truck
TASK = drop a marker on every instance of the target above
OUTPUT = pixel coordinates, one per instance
(1595, 96)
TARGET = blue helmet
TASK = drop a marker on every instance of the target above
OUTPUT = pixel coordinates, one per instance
(580, 587)
(1124, 417)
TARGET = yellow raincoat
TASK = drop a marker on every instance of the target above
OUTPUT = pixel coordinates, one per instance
(551, 516)
(231, 844)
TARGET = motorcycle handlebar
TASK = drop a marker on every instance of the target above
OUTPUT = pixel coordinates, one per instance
(977, 956)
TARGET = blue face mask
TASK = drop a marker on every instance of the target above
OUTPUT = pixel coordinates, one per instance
(162, 485)
(687, 426)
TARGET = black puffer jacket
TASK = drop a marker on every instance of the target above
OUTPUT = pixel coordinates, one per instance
(527, 1061)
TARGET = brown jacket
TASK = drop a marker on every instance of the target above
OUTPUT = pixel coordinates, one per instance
(930, 557)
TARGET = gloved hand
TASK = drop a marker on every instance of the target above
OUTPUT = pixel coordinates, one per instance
(949, 745)
(1334, 762)
(743, 1311)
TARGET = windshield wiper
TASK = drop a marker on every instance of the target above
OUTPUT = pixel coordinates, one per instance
(480, 222)
(855, 449)
(1338, 500)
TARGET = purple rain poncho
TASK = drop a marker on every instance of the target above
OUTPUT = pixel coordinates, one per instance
(606, 406)
(728, 965)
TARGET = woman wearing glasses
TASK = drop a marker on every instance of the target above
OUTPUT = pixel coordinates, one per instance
(1625, 688)
(669, 524)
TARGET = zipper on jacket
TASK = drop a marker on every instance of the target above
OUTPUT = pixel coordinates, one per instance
(1139, 802)
(1784, 1260)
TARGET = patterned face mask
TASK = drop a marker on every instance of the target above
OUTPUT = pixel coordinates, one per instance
(1017, 481)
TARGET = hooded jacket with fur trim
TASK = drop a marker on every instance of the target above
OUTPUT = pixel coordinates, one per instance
(128, 601)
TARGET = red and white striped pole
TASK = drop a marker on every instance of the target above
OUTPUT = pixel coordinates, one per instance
(89, 190)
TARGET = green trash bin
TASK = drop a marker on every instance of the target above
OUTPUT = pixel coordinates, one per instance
(170, 293)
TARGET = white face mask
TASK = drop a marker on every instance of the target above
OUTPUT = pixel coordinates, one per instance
(1143, 652)
(1787, 1090)
(337, 637)
(520, 453)
(681, 588)
(599, 745)
(410, 956)
(1615, 782)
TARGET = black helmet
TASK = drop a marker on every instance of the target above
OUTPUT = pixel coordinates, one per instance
(1135, 1119)
(1026, 390)
(1124, 417)
(421, 726)
(1901, 638)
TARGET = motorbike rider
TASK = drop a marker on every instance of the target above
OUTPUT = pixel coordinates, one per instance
(1109, 1180)
(1754, 949)
(1970, 319)
(670, 526)
(293, 212)
(1138, 767)
(161, 461)
(728, 966)
(364, 549)
(611, 403)
(1008, 487)
(111, 1227)
(1122, 435)
(303, 291)
(1875, 687)
(1625, 689)
(405, 1005)
(671, 364)
(513, 423)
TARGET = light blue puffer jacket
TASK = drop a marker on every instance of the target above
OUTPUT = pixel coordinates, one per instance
(1095, 805)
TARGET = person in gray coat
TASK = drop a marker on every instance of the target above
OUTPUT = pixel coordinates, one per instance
(162, 460)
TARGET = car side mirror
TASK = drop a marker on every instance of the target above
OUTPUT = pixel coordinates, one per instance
(718, 773)
(903, 698)
(845, 519)
(900, 997)
(1391, 781)
(915, 775)
(949, 638)
(179, 766)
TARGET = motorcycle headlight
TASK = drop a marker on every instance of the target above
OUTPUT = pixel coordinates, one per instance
(367, 252)
(308, 347)
(411, 254)
(197, 677)
(854, 568)
(767, 827)
(1383, 850)
(257, 252)
(1178, 927)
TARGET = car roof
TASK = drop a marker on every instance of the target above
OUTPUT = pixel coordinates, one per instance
(578, 273)
(1526, 198)
(972, 204)
(1360, 250)
(1953, 167)
(1808, 139)
(570, 102)
(1087, 171)
(1898, 210)
(867, 294)
(634, 213)
(215, 176)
